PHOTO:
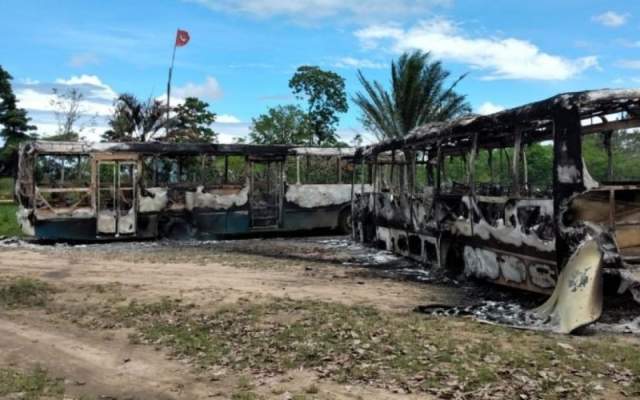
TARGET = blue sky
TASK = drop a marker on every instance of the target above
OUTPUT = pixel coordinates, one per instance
(242, 53)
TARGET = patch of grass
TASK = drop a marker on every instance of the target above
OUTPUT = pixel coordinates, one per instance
(244, 395)
(8, 222)
(410, 353)
(6, 188)
(135, 309)
(33, 385)
(24, 292)
(244, 390)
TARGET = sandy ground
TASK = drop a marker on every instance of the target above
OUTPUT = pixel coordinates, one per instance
(106, 364)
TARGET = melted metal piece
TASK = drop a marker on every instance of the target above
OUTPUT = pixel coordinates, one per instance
(577, 298)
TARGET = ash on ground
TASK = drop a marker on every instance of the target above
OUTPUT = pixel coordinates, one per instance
(494, 312)
(482, 301)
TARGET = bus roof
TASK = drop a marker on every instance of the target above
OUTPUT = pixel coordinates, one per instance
(54, 147)
(536, 119)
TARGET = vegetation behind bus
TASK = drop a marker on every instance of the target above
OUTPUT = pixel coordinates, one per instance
(625, 160)
(8, 223)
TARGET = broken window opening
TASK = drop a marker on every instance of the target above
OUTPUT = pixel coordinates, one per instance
(63, 171)
(348, 171)
(167, 171)
(540, 169)
(391, 173)
(454, 174)
(191, 170)
(315, 170)
(612, 156)
(422, 182)
(236, 170)
(213, 171)
(485, 176)
(62, 184)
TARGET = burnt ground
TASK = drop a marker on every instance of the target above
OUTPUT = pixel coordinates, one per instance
(280, 318)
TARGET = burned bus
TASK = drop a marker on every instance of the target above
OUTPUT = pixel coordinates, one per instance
(107, 191)
(540, 197)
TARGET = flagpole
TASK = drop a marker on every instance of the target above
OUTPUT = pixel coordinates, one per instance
(173, 57)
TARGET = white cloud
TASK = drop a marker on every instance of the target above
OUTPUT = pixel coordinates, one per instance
(323, 9)
(507, 58)
(83, 59)
(228, 132)
(611, 19)
(90, 132)
(96, 88)
(630, 64)
(362, 63)
(369, 37)
(489, 108)
(80, 80)
(97, 104)
(210, 90)
(28, 81)
(227, 119)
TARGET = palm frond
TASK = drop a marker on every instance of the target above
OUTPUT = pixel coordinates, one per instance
(418, 94)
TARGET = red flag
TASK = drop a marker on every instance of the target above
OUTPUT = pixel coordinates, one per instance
(182, 38)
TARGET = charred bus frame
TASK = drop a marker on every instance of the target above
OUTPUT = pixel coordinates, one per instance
(108, 191)
(510, 234)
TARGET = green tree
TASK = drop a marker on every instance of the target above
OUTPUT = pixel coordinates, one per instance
(134, 120)
(324, 92)
(281, 125)
(419, 94)
(14, 123)
(540, 165)
(192, 123)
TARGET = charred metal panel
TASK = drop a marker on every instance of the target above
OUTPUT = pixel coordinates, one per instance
(179, 203)
(497, 232)
(66, 229)
(568, 167)
(304, 219)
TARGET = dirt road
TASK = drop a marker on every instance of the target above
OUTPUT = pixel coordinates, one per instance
(94, 335)
(106, 364)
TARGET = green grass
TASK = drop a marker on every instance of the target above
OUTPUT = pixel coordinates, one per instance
(8, 222)
(32, 385)
(412, 353)
(24, 292)
(6, 188)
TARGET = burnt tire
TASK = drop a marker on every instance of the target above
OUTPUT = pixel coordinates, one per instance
(345, 222)
(178, 230)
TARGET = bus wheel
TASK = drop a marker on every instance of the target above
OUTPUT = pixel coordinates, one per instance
(179, 230)
(344, 221)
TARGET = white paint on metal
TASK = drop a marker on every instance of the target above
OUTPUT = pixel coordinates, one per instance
(26, 226)
(311, 196)
(154, 203)
(218, 199)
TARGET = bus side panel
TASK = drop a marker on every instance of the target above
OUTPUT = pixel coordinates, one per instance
(300, 219)
(66, 229)
(237, 222)
(212, 223)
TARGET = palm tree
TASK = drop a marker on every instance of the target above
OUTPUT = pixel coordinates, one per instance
(418, 95)
(134, 120)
